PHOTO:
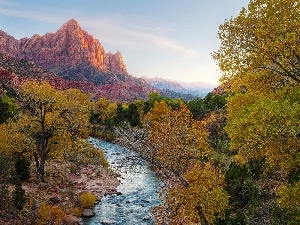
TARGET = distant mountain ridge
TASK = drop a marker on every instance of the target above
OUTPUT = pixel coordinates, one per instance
(199, 89)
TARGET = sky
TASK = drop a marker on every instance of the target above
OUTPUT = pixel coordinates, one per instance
(171, 39)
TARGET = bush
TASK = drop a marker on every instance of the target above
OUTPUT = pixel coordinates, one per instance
(241, 186)
(49, 214)
(231, 218)
(87, 200)
(18, 196)
(22, 168)
(4, 197)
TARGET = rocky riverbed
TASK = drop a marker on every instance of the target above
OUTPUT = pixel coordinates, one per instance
(136, 194)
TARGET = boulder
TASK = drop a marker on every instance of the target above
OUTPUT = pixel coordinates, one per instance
(88, 213)
(54, 200)
(71, 220)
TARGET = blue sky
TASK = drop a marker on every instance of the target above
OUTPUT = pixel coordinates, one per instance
(172, 39)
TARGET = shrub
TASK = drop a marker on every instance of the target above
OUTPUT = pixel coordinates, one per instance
(18, 196)
(87, 200)
(4, 197)
(5, 169)
(22, 168)
(76, 211)
(84, 153)
(49, 214)
(241, 186)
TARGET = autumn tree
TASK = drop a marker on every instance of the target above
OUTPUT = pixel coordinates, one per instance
(265, 128)
(201, 202)
(260, 48)
(49, 117)
(104, 110)
(176, 138)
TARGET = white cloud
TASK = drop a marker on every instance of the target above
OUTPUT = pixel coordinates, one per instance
(38, 16)
(114, 31)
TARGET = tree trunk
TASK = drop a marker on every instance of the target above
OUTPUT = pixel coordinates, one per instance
(39, 168)
(40, 158)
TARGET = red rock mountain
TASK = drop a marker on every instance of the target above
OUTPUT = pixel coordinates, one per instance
(77, 58)
(68, 47)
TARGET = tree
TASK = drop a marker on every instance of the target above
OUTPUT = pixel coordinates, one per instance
(176, 138)
(260, 57)
(22, 168)
(105, 110)
(202, 202)
(198, 108)
(260, 48)
(152, 98)
(120, 114)
(132, 114)
(215, 101)
(265, 127)
(8, 108)
(49, 117)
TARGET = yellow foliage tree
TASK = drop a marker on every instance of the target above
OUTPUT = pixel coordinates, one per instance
(260, 48)
(50, 118)
(176, 138)
(265, 126)
(202, 202)
(260, 57)
(178, 144)
(158, 110)
(105, 109)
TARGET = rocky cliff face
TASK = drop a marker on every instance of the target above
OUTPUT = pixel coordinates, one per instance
(114, 63)
(68, 47)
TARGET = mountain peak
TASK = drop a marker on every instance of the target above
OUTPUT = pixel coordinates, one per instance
(71, 22)
(71, 25)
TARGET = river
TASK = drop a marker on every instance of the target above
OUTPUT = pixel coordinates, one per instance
(139, 187)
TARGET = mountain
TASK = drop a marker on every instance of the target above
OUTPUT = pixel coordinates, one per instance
(199, 89)
(70, 57)
(79, 58)
(67, 47)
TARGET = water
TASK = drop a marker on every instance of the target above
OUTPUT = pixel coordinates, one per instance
(139, 187)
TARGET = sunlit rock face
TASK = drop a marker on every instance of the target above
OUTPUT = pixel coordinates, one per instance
(67, 47)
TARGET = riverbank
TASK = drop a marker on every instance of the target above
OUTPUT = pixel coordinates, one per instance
(64, 184)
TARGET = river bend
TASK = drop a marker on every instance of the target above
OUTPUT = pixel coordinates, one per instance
(138, 184)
